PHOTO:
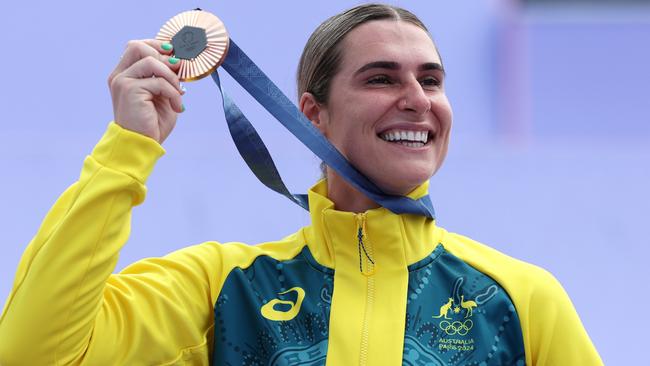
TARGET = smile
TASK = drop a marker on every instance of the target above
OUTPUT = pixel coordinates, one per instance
(407, 138)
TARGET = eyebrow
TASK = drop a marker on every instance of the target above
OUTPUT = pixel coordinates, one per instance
(391, 65)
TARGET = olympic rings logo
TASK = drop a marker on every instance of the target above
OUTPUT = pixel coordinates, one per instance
(456, 327)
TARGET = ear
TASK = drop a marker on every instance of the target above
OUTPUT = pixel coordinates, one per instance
(314, 111)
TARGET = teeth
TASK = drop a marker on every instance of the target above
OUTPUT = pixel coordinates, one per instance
(406, 136)
(411, 144)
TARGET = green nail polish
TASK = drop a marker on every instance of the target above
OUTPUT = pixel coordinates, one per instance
(173, 60)
(182, 107)
(166, 46)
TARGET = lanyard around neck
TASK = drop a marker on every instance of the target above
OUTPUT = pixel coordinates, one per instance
(257, 157)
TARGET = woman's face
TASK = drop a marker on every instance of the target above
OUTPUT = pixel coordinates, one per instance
(389, 91)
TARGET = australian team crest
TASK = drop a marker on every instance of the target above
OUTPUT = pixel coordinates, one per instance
(460, 322)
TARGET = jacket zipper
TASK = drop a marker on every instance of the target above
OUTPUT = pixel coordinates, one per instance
(367, 269)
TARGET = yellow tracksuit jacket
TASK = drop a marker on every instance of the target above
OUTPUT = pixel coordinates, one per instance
(374, 288)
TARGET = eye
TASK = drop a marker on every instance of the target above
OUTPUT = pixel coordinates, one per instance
(430, 82)
(379, 80)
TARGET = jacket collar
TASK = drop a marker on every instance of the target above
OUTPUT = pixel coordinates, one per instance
(394, 240)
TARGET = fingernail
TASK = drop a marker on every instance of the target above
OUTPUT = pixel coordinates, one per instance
(183, 88)
(182, 108)
(167, 46)
(173, 60)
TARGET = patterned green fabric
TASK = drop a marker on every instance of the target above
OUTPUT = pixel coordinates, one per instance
(243, 336)
(456, 315)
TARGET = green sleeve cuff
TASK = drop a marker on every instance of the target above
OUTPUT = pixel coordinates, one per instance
(128, 152)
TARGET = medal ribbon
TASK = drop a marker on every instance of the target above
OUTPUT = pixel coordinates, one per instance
(257, 157)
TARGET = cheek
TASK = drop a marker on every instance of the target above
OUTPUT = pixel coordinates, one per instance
(349, 124)
(443, 111)
(351, 142)
(348, 141)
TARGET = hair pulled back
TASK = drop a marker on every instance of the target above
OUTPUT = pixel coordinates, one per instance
(321, 57)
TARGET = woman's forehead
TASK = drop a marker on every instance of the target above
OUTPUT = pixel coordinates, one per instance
(388, 40)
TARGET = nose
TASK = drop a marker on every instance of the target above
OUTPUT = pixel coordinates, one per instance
(414, 99)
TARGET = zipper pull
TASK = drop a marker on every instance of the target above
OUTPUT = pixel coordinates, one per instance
(362, 242)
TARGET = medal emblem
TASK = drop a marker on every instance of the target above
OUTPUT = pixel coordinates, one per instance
(200, 41)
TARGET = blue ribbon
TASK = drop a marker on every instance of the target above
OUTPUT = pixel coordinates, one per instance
(257, 157)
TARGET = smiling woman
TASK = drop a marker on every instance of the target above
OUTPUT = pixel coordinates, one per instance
(360, 285)
(389, 81)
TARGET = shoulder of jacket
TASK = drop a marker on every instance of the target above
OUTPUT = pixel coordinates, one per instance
(239, 254)
(548, 318)
(494, 262)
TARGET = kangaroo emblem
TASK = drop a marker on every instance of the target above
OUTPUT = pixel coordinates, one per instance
(444, 309)
(467, 305)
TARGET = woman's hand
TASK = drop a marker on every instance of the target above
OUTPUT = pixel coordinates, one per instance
(145, 89)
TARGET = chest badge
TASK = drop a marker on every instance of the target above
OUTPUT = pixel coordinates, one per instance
(457, 326)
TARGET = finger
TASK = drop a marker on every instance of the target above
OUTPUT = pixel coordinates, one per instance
(137, 50)
(160, 87)
(164, 47)
(150, 66)
(165, 53)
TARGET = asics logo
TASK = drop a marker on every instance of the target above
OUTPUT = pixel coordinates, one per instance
(269, 312)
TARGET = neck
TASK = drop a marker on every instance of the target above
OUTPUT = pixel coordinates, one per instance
(345, 196)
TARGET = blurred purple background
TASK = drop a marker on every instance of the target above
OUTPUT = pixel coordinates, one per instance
(549, 160)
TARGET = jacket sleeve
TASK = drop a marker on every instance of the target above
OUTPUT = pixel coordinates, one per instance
(66, 307)
(552, 330)
(556, 334)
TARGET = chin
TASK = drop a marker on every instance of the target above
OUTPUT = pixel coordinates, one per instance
(402, 182)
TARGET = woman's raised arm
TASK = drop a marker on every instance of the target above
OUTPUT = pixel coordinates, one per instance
(65, 306)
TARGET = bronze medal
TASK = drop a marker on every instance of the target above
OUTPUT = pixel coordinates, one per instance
(200, 41)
